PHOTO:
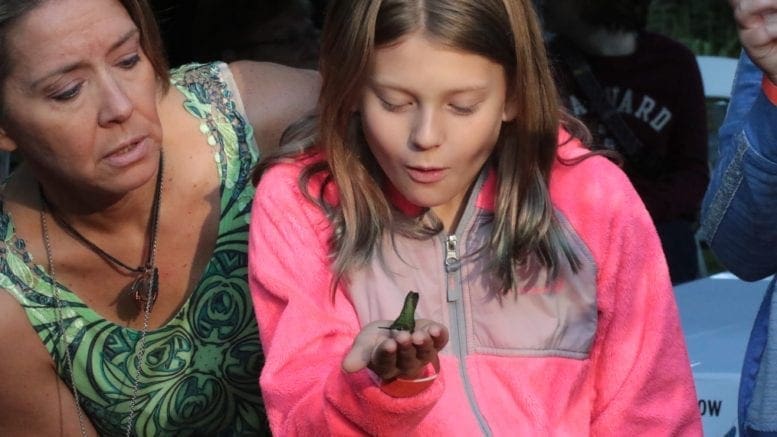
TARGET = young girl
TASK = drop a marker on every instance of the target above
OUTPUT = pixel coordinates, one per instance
(439, 166)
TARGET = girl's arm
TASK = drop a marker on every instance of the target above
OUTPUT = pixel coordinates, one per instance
(643, 381)
(306, 331)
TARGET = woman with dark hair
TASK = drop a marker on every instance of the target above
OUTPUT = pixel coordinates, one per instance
(125, 308)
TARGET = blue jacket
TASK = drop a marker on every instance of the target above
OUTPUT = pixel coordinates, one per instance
(739, 220)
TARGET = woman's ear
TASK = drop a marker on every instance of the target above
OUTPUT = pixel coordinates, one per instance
(6, 143)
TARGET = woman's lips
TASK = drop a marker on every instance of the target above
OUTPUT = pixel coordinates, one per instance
(426, 175)
(129, 153)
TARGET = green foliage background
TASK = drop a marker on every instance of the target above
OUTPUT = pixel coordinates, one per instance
(705, 26)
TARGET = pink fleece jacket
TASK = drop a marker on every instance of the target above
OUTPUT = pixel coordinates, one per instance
(633, 378)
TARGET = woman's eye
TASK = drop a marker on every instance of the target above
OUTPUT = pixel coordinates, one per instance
(68, 94)
(129, 62)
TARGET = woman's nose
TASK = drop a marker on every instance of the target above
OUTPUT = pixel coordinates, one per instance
(116, 104)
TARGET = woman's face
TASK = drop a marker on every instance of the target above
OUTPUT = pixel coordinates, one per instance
(432, 116)
(80, 99)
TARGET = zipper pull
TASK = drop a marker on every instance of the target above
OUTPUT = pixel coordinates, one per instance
(451, 257)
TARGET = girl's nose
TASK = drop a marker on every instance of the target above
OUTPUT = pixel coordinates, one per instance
(428, 132)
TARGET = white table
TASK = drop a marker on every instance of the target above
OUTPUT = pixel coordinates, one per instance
(717, 314)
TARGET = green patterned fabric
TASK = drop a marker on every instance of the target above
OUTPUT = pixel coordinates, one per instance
(200, 372)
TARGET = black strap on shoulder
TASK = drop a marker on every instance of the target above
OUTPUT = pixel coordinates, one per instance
(627, 143)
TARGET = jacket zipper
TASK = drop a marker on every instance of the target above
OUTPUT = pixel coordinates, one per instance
(458, 334)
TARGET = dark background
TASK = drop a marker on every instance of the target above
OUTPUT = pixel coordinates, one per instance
(283, 31)
(286, 31)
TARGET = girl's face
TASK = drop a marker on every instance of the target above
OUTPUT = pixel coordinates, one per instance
(431, 116)
(80, 100)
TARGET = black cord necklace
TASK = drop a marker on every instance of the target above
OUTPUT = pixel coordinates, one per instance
(145, 286)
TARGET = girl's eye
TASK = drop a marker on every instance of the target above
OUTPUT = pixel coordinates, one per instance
(68, 94)
(129, 62)
(463, 110)
(391, 107)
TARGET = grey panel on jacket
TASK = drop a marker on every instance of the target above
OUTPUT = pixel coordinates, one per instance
(536, 319)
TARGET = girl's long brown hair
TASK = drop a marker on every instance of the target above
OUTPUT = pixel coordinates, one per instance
(504, 31)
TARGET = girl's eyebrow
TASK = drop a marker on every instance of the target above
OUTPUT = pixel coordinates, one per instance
(390, 86)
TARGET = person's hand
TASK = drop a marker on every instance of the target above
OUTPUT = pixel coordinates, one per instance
(392, 353)
(757, 22)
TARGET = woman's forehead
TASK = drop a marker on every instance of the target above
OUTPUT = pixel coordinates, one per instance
(65, 31)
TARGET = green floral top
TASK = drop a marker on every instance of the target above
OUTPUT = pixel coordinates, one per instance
(200, 372)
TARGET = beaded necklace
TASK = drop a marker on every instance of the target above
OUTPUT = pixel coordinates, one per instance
(144, 288)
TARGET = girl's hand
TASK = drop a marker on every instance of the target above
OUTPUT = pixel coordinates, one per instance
(392, 353)
(757, 22)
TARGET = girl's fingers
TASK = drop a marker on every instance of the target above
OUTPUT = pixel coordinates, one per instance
(356, 359)
(425, 350)
(436, 331)
(360, 355)
(401, 354)
(384, 359)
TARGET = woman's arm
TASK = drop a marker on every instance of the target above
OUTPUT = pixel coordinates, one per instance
(34, 400)
(738, 218)
(738, 215)
(274, 96)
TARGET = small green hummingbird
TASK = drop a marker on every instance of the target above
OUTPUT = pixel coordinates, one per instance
(406, 319)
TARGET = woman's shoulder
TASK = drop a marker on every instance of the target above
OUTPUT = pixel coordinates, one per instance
(268, 96)
(206, 87)
(197, 71)
(207, 94)
(274, 96)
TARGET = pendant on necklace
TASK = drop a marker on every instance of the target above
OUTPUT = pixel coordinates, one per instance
(145, 288)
